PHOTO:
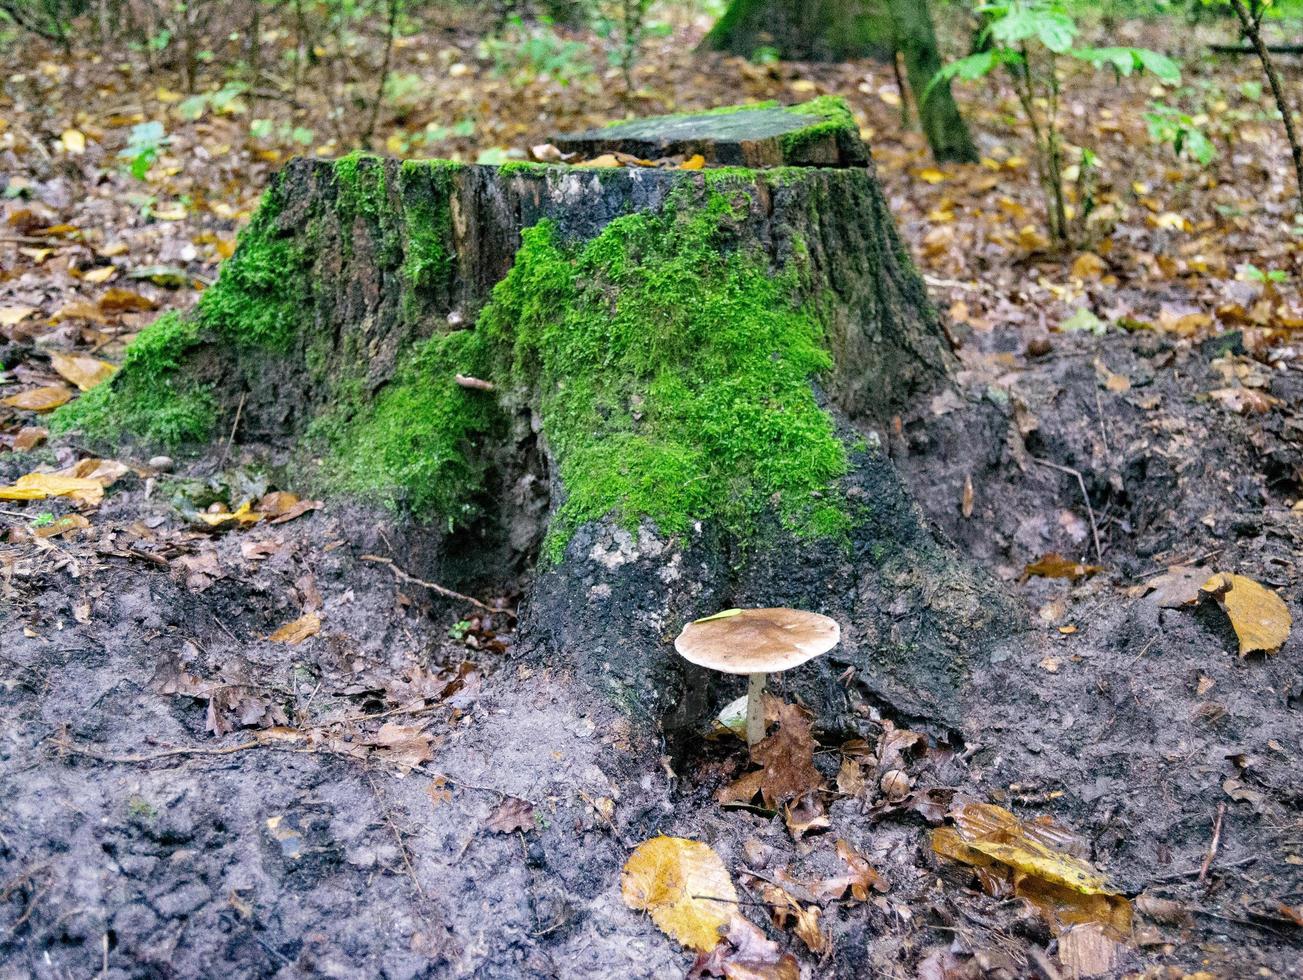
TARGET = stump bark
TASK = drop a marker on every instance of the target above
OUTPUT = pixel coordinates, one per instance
(686, 371)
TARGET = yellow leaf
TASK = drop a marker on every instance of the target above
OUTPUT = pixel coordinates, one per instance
(10, 315)
(38, 486)
(309, 624)
(74, 141)
(1088, 265)
(684, 886)
(113, 249)
(244, 514)
(45, 399)
(932, 175)
(100, 274)
(82, 370)
(694, 162)
(1260, 617)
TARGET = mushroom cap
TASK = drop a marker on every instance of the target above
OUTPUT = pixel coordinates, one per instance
(757, 641)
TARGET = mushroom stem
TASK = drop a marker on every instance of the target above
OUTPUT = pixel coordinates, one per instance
(756, 708)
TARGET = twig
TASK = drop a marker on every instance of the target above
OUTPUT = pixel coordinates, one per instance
(1217, 837)
(230, 439)
(384, 72)
(402, 844)
(466, 381)
(1253, 30)
(1090, 511)
(434, 587)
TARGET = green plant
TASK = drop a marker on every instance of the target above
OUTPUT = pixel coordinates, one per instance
(1030, 39)
(526, 52)
(225, 100)
(1248, 272)
(1168, 124)
(143, 144)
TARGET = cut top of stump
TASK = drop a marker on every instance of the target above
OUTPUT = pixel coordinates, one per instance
(819, 133)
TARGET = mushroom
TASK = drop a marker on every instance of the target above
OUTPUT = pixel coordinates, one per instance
(756, 642)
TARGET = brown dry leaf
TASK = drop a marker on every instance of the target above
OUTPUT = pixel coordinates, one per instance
(1054, 565)
(1087, 950)
(297, 510)
(406, 746)
(82, 370)
(1244, 401)
(1038, 860)
(1088, 265)
(11, 315)
(1178, 586)
(38, 486)
(307, 625)
(850, 777)
(806, 816)
(276, 503)
(438, 791)
(861, 879)
(786, 759)
(64, 525)
(805, 917)
(1259, 616)
(29, 437)
(117, 300)
(685, 888)
(966, 503)
(510, 815)
(44, 399)
(106, 471)
(751, 956)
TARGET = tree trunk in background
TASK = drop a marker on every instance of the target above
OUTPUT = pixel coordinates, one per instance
(944, 127)
(843, 30)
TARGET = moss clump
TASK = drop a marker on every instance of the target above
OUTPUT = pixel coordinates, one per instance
(672, 374)
(259, 298)
(149, 397)
(426, 187)
(835, 121)
(416, 445)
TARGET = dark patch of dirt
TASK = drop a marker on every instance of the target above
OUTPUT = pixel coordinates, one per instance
(303, 841)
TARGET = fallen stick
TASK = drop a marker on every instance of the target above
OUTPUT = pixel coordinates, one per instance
(435, 587)
(466, 381)
(1090, 511)
(1215, 843)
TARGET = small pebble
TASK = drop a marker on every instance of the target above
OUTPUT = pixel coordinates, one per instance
(163, 464)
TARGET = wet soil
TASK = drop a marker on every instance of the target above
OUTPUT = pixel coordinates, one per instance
(408, 794)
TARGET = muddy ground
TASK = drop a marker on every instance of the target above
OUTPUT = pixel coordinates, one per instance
(186, 797)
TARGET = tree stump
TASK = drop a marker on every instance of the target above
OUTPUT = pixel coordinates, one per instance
(649, 392)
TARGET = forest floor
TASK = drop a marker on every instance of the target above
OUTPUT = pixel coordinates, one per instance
(268, 750)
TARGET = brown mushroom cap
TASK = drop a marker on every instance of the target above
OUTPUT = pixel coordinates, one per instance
(757, 641)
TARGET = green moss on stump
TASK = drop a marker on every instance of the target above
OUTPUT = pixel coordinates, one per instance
(149, 397)
(672, 378)
(671, 368)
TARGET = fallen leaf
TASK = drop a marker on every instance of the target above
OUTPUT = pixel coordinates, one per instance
(38, 486)
(805, 918)
(860, 879)
(124, 300)
(1244, 401)
(1036, 860)
(74, 141)
(244, 514)
(694, 162)
(805, 816)
(1087, 950)
(684, 886)
(45, 399)
(1259, 616)
(1178, 586)
(29, 437)
(12, 315)
(99, 275)
(786, 758)
(63, 525)
(438, 791)
(294, 633)
(510, 815)
(405, 746)
(747, 955)
(82, 370)
(1054, 565)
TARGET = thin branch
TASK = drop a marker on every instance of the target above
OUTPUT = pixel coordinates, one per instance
(435, 587)
(1253, 30)
(1090, 511)
(384, 73)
